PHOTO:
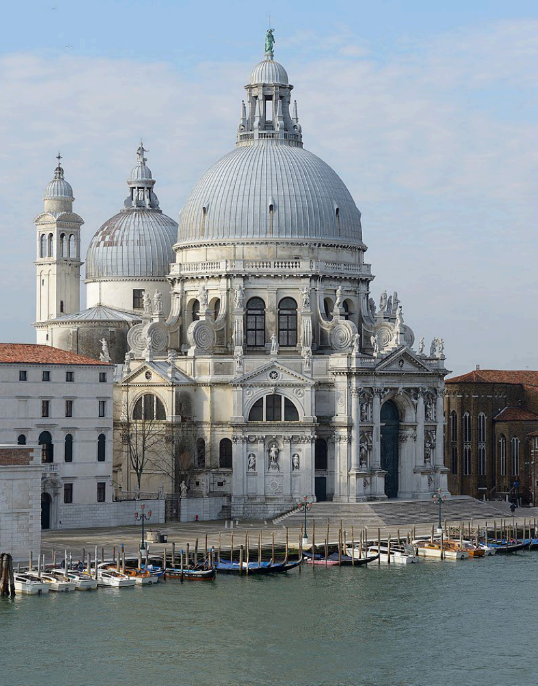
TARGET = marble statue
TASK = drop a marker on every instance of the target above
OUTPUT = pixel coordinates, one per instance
(203, 297)
(339, 295)
(251, 462)
(307, 356)
(147, 303)
(183, 489)
(274, 344)
(238, 357)
(355, 349)
(305, 292)
(104, 355)
(383, 301)
(371, 304)
(158, 303)
(395, 302)
(439, 346)
(433, 347)
(172, 357)
(375, 345)
(239, 296)
(127, 363)
(389, 305)
(295, 462)
(421, 346)
(273, 458)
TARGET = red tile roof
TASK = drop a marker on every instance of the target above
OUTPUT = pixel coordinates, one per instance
(533, 433)
(526, 377)
(516, 414)
(29, 353)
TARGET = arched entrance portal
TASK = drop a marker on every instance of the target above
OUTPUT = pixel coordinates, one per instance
(46, 504)
(390, 427)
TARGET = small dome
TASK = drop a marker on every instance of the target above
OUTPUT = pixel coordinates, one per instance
(58, 187)
(133, 243)
(269, 71)
(141, 172)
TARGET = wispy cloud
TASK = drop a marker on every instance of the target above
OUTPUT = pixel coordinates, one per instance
(437, 142)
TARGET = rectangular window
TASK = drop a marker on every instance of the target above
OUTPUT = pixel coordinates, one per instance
(102, 408)
(23, 375)
(101, 491)
(68, 493)
(138, 298)
(68, 408)
(102, 377)
(273, 408)
(70, 376)
(45, 408)
(46, 376)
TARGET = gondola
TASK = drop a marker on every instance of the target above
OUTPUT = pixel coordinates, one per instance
(508, 546)
(191, 574)
(227, 567)
(334, 560)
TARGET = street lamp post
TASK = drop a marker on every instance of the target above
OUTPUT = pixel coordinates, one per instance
(439, 498)
(143, 517)
(304, 507)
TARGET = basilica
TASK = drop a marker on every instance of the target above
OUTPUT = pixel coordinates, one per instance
(253, 365)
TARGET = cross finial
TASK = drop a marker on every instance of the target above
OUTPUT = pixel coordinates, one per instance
(58, 157)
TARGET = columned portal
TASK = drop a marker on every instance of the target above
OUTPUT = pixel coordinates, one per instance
(390, 427)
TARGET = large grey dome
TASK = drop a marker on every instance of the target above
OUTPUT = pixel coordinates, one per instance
(268, 190)
(134, 243)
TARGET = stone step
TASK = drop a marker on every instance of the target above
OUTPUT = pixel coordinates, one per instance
(398, 513)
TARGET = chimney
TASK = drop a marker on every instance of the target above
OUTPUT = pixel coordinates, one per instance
(477, 367)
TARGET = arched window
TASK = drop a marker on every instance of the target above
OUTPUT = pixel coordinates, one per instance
(273, 408)
(50, 244)
(47, 447)
(345, 307)
(63, 245)
(68, 448)
(195, 311)
(287, 323)
(149, 407)
(216, 308)
(514, 449)
(200, 453)
(482, 457)
(328, 306)
(21, 440)
(320, 454)
(43, 246)
(101, 448)
(225, 454)
(454, 442)
(72, 247)
(502, 455)
(466, 428)
(255, 323)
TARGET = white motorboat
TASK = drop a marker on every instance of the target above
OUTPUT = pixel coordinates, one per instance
(450, 550)
(399, 554)
(29, 584)
(110, 577)
(83, 581)
(58, 582)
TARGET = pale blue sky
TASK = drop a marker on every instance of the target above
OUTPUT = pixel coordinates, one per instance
(428, 111)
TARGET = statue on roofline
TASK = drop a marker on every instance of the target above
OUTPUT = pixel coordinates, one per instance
(269, 42)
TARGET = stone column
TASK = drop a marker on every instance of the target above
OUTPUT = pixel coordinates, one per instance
(419, 450)
(376, 438)
(439, 416)
(285, 466)
(355, 429)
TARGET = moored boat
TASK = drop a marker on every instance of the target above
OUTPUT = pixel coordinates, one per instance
(60, 584)
(224, 567)
(449, 550)
(508, 546)
(82, 580)
(397, 554)
(29, 584)
(113, 578)
(190, 574)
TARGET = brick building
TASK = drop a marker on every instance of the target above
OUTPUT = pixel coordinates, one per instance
(491, 436)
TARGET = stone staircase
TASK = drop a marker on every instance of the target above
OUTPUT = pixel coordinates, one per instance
(394, 513)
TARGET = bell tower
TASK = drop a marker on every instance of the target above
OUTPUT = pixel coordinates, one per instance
(58, 253)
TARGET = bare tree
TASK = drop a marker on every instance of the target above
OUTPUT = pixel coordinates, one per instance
(144, 440)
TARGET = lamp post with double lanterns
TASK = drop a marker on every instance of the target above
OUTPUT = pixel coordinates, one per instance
(304, 507)
(439, 498)
(143, 517)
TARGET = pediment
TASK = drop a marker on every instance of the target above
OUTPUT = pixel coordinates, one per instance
(271, 374)
(155, 374)
(403, 361)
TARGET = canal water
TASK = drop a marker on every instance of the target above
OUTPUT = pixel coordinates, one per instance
(451, 623)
